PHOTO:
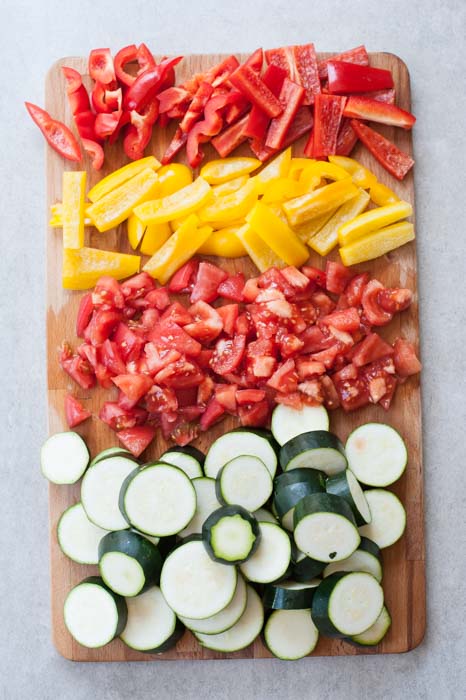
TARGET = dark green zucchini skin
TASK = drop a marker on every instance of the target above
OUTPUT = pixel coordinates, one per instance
(304, 569)
(320, 604)
(112, 452)
(287, 492)
(322, 503)
(187, 450)
(338, 486)
(279, 598)
(139, 548)
(124, 488)
(171, 641)
(313, 440)
(228, 512)
(369, 546)
(120, 602)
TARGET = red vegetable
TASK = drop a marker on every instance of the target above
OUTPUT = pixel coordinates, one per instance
(101, 66)
(255, 60)
(147, 84)
(208, 279)
(291, 96)
(139, 133)
(300, 64)
(406, 362)
(176, 144)
(75, 413)
(105, 124)
(57, 134)
(199, 101)
(357, 55)
(253, 87)
(327, 117)
(219, 73)
(347, 78)
(376, 111)
(301, 124)
(258, 120)
(230, 138)
(206, 128)
(173, 99)
(95, 151)
(137, 439)
(77, 93)
(346, 139)
(390, 156)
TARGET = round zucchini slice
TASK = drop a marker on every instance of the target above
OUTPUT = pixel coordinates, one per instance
(317, 449)
(346, 486)
(288, 422)
(78, 537)
(244, 481)
(374, 635)
(112, 452)
(226, 618)
(303, 568)
(128, 562)
(206, 503)
(188, 459)
(100, 489)
(257, 443)
(152, 626)
(388, 518)
(64, 458)
(231, 535)
(290, 634)
(289, 595)
(377, 454)
(271, 560)
(367, 557)
(291, 487)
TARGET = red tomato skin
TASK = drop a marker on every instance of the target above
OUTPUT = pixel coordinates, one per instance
(75, 413)
(86, 307)
(405, 358)
(137, 439)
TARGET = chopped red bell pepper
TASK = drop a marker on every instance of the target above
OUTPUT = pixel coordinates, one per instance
(57, 134)
(131, 54)
(147, 84)
(301, 124)
(258, 120)
(390, 156)
(246, 80)
(172, 98)
(124, 119)
(358, 55)
(387, 96)
(255, 60)
(196, 107)
(77, 93)
(176, 144)
(145, 58)
(346, 139)
(218, 74)
(95, 151)
(139, 133)
(347, 78)
(230, 138)
(104, 99)
(105, 124)
(238, 106)
(376, 111)
(327, 117)
(205, 129)
(300, 64)
(101, 67)
(291, 96)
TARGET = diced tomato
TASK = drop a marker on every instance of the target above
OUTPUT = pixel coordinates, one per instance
(86, 307)
(395, 300)
(182, 279)
(315, 275)
(350, 371)
(118, 418)
(285, 378)
(370, 349)
(315, 340)
(89, 353)
(312, 392)
(323, 303)
(386, 400)
(125, 402)
(243, 325)
(293, 400)
(208, 279)
(135, 386)
(273, 279)
(149, 319)
(331, 398)
(353, 393)
(289, 343)
(256, 415)
(205, 390)
(212, 414)
(355, 288)
(204, 358)
(337, 277)
(110, 357)
(249, 396)
(180, 375)
(129, 344)
(108, 294)
(207, 324)
(168, 334)
(327, 356)
(342, 303)
(157, 359)
(184, 431)
(374, 313)
(295, 278)
(137, 439)
(158, 298)
(232, 287)
(177, 313)
(137, 286)
(187, 396)
(160, 399)
(251, 290)
(101, 326)
(228, 315)
(228, 354)
(346, 321)
(405, 358)
(307, 367)
(225, 395)
(79, 370)
(75, 413)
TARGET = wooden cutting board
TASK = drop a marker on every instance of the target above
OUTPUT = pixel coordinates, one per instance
(404, 571)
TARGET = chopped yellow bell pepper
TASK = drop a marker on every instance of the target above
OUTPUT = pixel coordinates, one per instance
(320, 168)
(309, 181)
(382, 195)
(361, 176)
(74, 192)
(309, 228)
(324, 199)
(117, 205)
(219, 171)
(278, 167)
(136, 230)
(232, 206)
(230, 186)
(217, 225)
(154, 238)
(82, 268)
(297, 165)
(57, 219)
(172, 178)
(120, 176)
(262, 256)
(327, 237)
(177, 250)
(377, 243)
(372, 220)
(177, 205)
(224, 243)
(281, 189)
(277, 235)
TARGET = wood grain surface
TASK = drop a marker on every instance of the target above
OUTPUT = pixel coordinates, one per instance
(404, 571)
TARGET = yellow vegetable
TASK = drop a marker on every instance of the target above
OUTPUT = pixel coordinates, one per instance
(154, 238)
(281, 189)
(74, 191)
(217, 225)
(371, 220)
(320, 168)
(118, 177)
(56, 220)
(297, 165)
(117, 205)
(277, 235)
(218, 171)
(327, 237)
(231, 206)
(309, 181)
(172, 178)
(377, 243)
(224, 243)
(361, 176)
(230, 186)
(178, 249)
(309, 228)
(82, 268)
(319, 201)
(176, 205)
(381, 194)
(262, 256)
(135, 229)
(278, 167)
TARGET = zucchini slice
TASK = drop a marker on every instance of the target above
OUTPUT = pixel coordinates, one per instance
(193, 584)
(78, 537)
(262, 515)
(257, 443)
(152, 625)
(304, 568)
(206, 503)
(244, 481)
(231, 535)
(100, 489)
(375, 633)
(111, 452)
(64, 458)
(291, 634)
(317, 449)
(226, 618)
(129, 564)
(241, 634)
(388, 518)
(346, 604)
(94, 615)
(158, 499)
(367, 557)
(325, 528)
(290, 487)
(377, 454)
(272, 558)
(188, 459)
(289, 595)
(346, 486)
(288, 422)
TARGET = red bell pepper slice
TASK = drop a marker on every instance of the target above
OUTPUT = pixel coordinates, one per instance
(238, 106)
(246, 80)
(176, 144)
(376, 111)
(147, 84)
(85, 124)
(57, 134)
(358, 55)
(124, 119)
(101, 67)
(205, 129)
(77, 93)
(218, 74)
(171, 98)
(196, 107)
(230, 138)
(328, 111)
(95, 151)
(139, 133)
(347, 78)
(390, 156)
(301, 124)
(387, 96)
(105, 124)
(346, 139)
(128, 54)
(145, 58)
(291, 96)
(258, 119)
(104, 99)
(255, 60)
(300, 64)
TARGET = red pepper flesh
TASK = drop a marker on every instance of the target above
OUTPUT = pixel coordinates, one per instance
(328, 111)
(375, 111)
(230, 138)
(95, 151)
(101, 66)
(147, 84)
(258, 119)
(246, 80)
(358, 55)
(57, 134)
(347, 78)
(395, 161)
(346, 139)
(255, 60)
(291, 96)
(196, 107)
(175, 145)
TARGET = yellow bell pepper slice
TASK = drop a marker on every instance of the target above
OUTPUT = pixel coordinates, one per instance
(362, 177)
(217, 225)
(327, 236)
(172, 178)
(377, 243)
(310, 181)
(320, 168)
(219, 171)
(232, 206)
(224, 243)
(177, 205)
(297, 165)
(74, 191)
(319, 201)
(309, 228)
(277, 235)
(281, 189)
(381, 195)
(56, 220)
(117, 205)
(135, 230)
(372, 220)
(262, 256)
(82, 268)
(278, 167)
(177, 250)
(230, 186)
(154, 238)
(120, 176)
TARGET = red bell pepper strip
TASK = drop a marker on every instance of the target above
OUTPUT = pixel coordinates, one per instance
(387, 96)
(328, 111)
(139, 133)
(196, 107)
(258, 119)
(105, 99)
(85, 124)
(218, 74)
(132, 54)
(300, 64)
(291, 96)
(230, 138)
(124, 119)
(279, 57)
(255, 60)
(147, 84)
(346, 139)
(395, 161)
(375, 111)
(347, 78)
(105, 124)
(171, 98)
(301, 124)
(57, 134)
(77, 93)
(239, 105)
(358, 55)
(246, 80)
(175, 145)
(204, 130)
(101, 66)
(95, 151)
(145, 58)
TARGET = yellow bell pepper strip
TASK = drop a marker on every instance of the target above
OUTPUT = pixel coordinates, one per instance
(281, 189)
(327, 236)
(82, 268)
(277, 235)
(219, 171)
(372, 220)
(117, 205)
(135, 230)
(310, 181)
(319, 201)
(297, 165)
(230, 186)
(120, 176)
(178, 249)
(74, 192)
(262, 256)
(56, 220)
(310, 228)
(382, 195)
(377, 243)
(172, 178)
(177, 205)
(154, 237)
(320, 168)
(224, 243)
(232, 206)
(217, 225)
(278, 167)
(361, 176)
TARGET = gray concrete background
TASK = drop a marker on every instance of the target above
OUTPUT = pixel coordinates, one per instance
(430, 36)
